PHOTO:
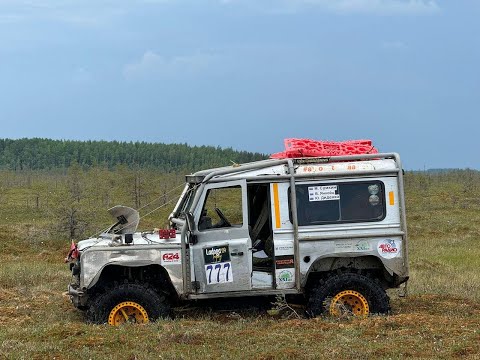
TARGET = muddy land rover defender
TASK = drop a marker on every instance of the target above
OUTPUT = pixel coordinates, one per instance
(330, 229)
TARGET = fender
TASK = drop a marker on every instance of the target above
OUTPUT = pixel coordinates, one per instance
(95, 261)
(331, 263)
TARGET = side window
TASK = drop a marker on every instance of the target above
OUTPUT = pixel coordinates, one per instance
(339, 203)
(222, 208)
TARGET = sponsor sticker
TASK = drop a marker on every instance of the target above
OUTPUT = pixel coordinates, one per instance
(216, 254)
(283, 247)
(363, 246)
(309, 169)
(285, 261)
(218, 267)
(285, 276)
(323, 193)
(352, 246)
(170, 257)
(388, 248)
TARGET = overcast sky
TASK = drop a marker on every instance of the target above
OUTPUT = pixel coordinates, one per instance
(247, 73)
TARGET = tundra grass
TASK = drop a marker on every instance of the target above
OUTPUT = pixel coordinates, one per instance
(39, 323)
(440, 317)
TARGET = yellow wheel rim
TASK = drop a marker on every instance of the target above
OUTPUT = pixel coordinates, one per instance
(349, 302)
(127, 312)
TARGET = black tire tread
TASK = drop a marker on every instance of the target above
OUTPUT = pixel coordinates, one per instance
(155, 304)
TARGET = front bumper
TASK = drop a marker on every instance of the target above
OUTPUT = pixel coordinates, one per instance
(77, 297)
(400, 280)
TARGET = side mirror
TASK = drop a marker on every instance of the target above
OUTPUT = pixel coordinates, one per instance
(192, 239)
(190, 222)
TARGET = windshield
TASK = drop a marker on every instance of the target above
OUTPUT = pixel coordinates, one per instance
(185, 202)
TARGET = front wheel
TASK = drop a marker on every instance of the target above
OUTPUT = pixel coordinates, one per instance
(348, 294)
(128, 303)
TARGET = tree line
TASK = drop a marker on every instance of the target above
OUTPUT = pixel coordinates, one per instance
(45, 154)
(71, 203)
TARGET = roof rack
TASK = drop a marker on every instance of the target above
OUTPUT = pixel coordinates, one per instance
(206, 175)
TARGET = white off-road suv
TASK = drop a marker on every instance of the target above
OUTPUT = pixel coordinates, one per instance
(332, 230)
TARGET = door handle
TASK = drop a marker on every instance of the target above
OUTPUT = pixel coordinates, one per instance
(240, 253)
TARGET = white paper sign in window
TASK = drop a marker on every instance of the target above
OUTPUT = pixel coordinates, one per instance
(323, 193)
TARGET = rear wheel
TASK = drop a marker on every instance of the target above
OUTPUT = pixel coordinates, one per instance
(128, 303)
(348, 294)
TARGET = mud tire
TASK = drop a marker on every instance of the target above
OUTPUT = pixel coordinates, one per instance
(156, 305)
(326, 289)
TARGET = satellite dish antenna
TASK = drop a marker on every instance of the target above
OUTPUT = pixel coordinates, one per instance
(126, 218)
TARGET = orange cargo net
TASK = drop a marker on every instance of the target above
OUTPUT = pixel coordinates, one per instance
(295, 148)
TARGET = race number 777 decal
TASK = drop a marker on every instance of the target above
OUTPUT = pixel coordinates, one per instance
(219, 273)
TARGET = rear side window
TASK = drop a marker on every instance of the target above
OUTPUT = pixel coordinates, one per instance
(339, 203)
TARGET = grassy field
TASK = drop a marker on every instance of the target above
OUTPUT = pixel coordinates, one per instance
(440, 318)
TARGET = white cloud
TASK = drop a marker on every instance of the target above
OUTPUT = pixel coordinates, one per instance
(79, 13)
(154, 65)
(380, 7)
(96, 13)
(374, 7)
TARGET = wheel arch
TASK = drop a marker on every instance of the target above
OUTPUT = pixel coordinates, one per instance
(321, 267)
(154, 275)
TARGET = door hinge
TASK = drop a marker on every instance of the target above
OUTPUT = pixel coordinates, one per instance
(195, 285)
